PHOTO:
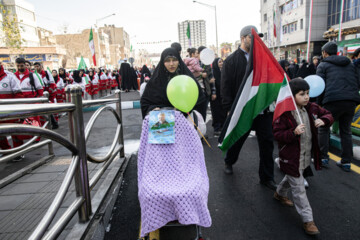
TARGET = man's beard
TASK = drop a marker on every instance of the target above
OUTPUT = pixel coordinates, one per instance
(22, 70)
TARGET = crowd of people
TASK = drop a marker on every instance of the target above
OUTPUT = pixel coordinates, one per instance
(32, 80)
(302, 137)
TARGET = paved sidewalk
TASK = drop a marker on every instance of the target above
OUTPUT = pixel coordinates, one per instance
(24, 202)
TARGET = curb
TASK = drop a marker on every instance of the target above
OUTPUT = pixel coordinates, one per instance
(103, 203)
(336, 142)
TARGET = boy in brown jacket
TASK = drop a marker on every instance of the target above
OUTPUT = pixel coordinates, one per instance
(296, 143)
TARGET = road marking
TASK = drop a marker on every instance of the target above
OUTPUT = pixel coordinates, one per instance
(353, 166)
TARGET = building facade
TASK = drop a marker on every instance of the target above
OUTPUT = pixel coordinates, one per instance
(197, 34)
(24, 12)
(350, 27)
(286, 24)
(119, 42)
(111, 45)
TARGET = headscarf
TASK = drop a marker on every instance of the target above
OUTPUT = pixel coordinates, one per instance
(93, 74)
(145, 72)
(155, 92)
(76, 76)
(56, 78)
(63, 76)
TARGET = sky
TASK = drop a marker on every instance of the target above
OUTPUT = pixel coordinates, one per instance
(147, 21)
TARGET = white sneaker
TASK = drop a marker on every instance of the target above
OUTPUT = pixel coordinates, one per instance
(277, 161)
(306, 183)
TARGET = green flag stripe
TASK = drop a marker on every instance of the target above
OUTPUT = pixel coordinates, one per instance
(40, 79)
(267, 93)
(91, 35)
(188, 30)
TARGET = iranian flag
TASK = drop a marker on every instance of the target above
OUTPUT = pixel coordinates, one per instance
(188, 34)
(260, 87)
(285, 101)
(274, 23)
(92, 46)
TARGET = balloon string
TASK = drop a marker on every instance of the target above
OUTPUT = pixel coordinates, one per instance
(199, 131)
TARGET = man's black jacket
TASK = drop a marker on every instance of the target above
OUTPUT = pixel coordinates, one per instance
(232, 75)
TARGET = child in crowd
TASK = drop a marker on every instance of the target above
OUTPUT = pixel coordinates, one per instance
(192, 62)
(297, 141)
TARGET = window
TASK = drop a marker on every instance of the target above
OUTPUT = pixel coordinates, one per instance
(265, 36)
(302, 24)
(265, 17)
(264, 1)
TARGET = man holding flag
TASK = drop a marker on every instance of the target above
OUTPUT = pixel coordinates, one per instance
(251, 80)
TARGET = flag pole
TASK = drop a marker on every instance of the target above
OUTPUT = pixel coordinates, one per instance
(341, 19)
(309, 32)
(292, 97)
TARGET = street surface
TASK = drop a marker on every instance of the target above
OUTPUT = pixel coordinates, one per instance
(241, 208)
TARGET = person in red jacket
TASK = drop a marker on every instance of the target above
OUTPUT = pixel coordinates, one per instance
(47, 79)
(49, 86)
(9, 88)
(297, 136)
(31, 87)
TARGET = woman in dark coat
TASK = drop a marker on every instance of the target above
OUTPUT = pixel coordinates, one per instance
(217, 111)
(145, 72)
(155, 92)
(285, 65)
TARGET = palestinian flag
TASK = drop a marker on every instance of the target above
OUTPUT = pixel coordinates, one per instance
(285, 101)
(260, 87)
(92, 46)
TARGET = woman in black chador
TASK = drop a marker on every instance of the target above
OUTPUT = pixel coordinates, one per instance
(127, 77)
(145, 72)
(154, 96)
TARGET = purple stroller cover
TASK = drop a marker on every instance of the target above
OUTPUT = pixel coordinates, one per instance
(172, 179)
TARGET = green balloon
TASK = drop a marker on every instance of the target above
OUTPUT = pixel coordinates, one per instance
(182, 92)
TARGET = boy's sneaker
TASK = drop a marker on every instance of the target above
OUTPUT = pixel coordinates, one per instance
(310, 228)
(344, 166)
(283, 200)
(306, 184)
(325, 162)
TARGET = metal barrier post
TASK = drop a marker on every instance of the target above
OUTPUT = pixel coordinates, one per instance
(49, 126)
(81, 174)
(46, 94)
(119, 111)
(67, 94)
(70, 114)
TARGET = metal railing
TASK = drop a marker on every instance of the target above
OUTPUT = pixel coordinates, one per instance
(78, 168)
(7, 104)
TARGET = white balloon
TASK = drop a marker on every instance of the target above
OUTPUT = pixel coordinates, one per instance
(207, 56)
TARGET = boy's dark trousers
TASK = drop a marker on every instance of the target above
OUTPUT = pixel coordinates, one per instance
(342, 111)
(262, 124)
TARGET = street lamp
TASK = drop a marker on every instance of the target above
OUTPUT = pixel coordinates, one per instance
(98, 37)
(213, 7)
